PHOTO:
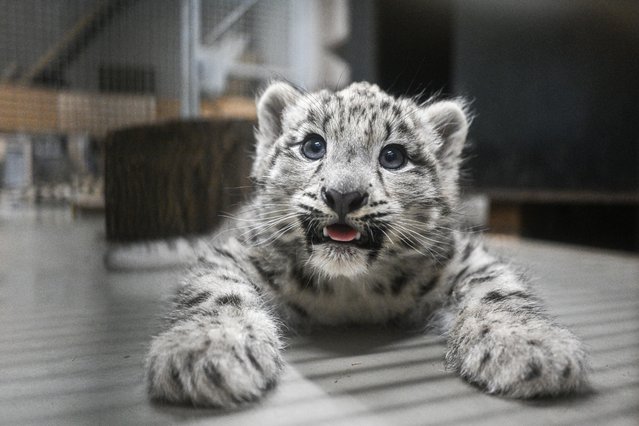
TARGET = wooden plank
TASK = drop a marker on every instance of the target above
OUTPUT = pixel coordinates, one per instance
(34, 110)
(230, 107)
(225, 107)
(99, 113)
(167, 109)
(28, 110)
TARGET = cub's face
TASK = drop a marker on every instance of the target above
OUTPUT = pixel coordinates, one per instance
(356, 176)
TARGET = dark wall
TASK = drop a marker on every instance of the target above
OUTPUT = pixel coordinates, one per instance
(555, 85)
(414, 46)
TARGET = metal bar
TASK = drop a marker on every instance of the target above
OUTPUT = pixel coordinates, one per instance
(189, 38)
(228, 22)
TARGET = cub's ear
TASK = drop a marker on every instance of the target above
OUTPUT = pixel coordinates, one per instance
(270, 107)
(450, 122)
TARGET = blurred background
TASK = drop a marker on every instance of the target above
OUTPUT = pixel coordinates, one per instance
(143, 110)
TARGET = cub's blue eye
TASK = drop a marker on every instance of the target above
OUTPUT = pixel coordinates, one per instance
(392, 157)
(314, 147)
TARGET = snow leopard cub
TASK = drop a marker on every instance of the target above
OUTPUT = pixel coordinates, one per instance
(352, 221)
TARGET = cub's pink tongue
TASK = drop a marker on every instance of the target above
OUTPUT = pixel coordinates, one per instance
(341, 233)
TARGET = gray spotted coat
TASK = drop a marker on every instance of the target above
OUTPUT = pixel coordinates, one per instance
(353, 220)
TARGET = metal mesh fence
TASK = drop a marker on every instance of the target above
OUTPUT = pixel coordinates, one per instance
(73, 70)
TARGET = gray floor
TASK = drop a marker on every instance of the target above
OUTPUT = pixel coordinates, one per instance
(73, 339)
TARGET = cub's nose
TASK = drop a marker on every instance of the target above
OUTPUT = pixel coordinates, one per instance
(343, 204)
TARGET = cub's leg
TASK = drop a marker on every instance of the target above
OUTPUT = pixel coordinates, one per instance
(223, 347)
(501, 339)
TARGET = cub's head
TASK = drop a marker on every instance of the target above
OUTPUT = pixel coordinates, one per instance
(356, 176)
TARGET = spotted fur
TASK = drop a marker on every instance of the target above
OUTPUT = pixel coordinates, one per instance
(412, 262)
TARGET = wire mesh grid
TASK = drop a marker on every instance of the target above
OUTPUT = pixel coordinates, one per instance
(78, 69)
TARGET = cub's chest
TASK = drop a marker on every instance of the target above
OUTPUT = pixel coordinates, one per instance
(343, 300)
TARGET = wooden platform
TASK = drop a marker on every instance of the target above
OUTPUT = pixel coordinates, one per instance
(597, 218)
(73, 338)
(25, 109)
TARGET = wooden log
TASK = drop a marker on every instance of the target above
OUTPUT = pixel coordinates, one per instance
(175, 179)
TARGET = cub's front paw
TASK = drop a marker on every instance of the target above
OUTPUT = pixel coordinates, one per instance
(219, 365)
(518, 361)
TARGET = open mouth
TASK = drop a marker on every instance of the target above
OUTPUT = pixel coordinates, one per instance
(342, 233)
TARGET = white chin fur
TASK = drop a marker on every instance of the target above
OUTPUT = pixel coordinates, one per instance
(334, 261)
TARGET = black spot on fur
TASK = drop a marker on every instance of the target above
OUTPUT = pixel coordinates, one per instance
(455, 280)
(267, 276)
(389, 129)
(213, 374)
(381, 181)
(534, 371)
(310, 195)
(468, 250)
(196, 299)
(310, 232)
(484, 359)
(202, 261)
(373, 254)
(254, 363)
(376, 237)
(310, 209)
(189, 362)
(304, 282)
(426, 287)
(566, 373)
(229, 299)
(482, 279)
(298, 310)
(484, 331)
(399, 283)
(270, 384)
(311, 117)
(483, 269)
(237, 356)
(231, 279)
(175, 378)
(317, 169)
(418, 172)
(274, 157)
(534, 342)
(493, 296)
(403, 128)
(373, 215)
(226, 253)
(245, 398)
(325, 122)
(497, 296)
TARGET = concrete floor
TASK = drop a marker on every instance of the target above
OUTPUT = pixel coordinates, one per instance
(73, 337)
